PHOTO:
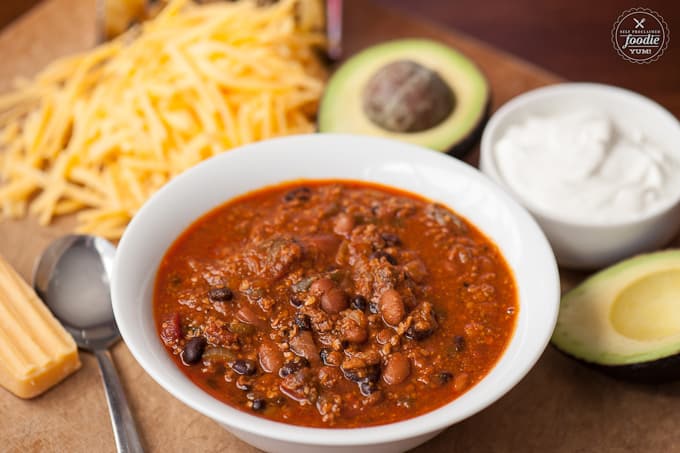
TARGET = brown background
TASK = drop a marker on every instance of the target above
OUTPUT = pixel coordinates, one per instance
(560, 406)
(568, 37)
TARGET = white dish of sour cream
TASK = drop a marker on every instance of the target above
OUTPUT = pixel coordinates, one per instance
(598, 166)
(579, 165)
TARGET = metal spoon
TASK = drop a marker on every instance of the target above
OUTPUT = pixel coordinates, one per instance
(72, 277)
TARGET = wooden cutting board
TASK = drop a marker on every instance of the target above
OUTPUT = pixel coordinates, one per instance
(559, 407)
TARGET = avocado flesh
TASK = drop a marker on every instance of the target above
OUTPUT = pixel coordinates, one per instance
(341, 108)
(626, 318)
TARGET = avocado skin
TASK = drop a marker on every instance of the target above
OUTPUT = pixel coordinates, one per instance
(461, 148)
(666, 369)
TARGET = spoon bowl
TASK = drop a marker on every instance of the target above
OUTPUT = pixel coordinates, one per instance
(72, 277)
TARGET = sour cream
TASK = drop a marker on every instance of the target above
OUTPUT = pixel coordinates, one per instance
(580, 166)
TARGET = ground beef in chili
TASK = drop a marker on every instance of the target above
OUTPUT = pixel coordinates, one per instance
(334, 304)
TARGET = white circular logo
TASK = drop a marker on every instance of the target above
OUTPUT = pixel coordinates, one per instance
(640, 35)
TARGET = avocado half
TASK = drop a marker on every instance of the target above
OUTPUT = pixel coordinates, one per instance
(343, 108)
(625, 320)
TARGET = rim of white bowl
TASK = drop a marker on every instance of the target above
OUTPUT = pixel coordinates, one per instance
(488, 161)
(429, 422)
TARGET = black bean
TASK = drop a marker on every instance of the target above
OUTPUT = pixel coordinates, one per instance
(193, 350)
(292, 366)
(444, 377)
(303, 361)
(353, 375)
(370, 373)
(324, 355)
(368, 388)
(373, 373)
(243, 386)
(373, 308)
(285, 370)
(303, 322)
(382, 254)
(391, 240)
(259, 404)
(413, 333)
(459, 342)
(358, 302)
(299, 193)
(220, 294)
(245, 367)
(295, 302)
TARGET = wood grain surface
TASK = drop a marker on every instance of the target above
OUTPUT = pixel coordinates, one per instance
(559, 407)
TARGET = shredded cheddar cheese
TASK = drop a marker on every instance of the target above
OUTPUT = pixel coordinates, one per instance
(100, 132)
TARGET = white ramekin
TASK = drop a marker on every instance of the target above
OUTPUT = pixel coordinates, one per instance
(591, 245)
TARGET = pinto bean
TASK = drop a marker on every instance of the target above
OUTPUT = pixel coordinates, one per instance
(344, 223)
(353, 327)
(270, 357)
(321, 285)
(397, 369)
(460, 382)
(391, 307)
(334, 301)
(247, 315)
(416, 270)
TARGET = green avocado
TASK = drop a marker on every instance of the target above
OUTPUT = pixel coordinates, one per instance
(625, 320)
(415, 90)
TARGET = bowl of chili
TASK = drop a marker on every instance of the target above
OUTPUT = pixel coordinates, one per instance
(335, 292)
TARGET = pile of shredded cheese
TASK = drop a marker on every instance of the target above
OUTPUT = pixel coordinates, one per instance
(100, 132)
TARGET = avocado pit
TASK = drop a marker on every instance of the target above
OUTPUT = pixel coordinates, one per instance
(405, 96)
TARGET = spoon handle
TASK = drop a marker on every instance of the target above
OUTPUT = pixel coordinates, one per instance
(127, 439)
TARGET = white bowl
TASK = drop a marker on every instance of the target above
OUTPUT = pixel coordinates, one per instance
(582, 244)
(433, 175)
